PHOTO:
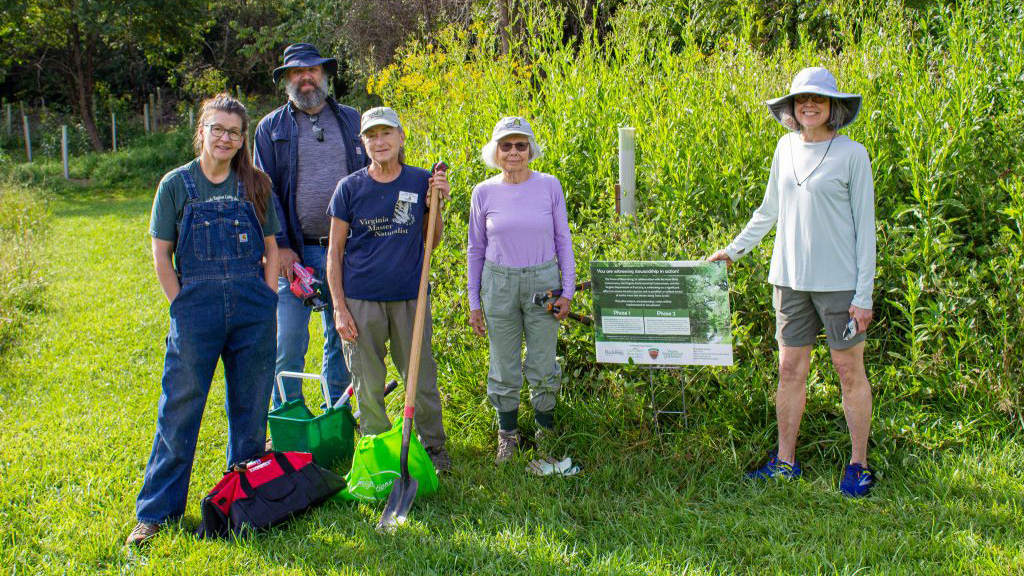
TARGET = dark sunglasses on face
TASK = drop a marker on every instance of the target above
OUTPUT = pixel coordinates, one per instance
(520, 146)
(816, 98)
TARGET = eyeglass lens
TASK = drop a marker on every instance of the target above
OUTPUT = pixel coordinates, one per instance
(217, 131)
(520, 146)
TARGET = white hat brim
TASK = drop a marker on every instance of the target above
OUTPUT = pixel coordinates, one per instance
(851, 101)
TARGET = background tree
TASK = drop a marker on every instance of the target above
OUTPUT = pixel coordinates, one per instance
(77, 38)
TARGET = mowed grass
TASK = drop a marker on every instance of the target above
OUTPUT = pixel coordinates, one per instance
(78, 400)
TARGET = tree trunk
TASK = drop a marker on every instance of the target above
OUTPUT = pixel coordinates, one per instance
(82, 83)
(503, 24)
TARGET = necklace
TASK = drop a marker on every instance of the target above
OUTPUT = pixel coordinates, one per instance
(792, 161)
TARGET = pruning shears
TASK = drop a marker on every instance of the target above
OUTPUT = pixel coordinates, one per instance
(546, 300)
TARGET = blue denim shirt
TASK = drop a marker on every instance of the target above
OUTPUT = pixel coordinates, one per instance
(276, 149)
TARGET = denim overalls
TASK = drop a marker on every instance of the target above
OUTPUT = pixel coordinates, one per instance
(224, 311)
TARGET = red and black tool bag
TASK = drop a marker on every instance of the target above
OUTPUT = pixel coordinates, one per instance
(265, 491)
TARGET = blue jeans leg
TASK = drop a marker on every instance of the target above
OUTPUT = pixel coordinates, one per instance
(194, 343)
(293, 334)
(249, 369)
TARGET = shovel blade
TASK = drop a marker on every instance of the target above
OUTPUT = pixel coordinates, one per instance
(399, 503)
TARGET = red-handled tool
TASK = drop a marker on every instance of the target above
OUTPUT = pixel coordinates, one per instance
(303, 285)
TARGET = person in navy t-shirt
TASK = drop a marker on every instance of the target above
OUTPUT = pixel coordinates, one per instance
(374, 260)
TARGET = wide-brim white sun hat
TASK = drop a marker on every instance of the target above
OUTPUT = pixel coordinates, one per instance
(815, 80)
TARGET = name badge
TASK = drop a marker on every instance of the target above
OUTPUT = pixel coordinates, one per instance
(410, 197)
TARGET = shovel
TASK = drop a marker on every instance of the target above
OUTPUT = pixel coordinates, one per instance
(404, 491)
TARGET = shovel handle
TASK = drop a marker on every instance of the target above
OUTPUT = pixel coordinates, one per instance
(416, 349)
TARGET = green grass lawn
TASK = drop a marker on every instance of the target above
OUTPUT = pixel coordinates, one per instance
(78, 399)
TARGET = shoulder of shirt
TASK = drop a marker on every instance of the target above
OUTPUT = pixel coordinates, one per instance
(416, 172)
(169, 178)
(274, 115)
(355, 178)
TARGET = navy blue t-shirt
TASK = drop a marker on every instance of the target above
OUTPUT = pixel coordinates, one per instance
(384, 251)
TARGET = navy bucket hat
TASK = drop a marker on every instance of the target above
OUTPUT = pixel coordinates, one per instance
(303, 56)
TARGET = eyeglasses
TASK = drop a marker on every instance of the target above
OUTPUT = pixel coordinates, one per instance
(218, 131)
(520, 146)
(816, 98)
(318, 130)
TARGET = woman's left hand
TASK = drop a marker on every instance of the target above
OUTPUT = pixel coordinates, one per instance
(862, 316)
(563, 307)
(439, 181)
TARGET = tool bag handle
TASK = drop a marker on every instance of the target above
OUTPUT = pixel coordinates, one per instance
(303, 376)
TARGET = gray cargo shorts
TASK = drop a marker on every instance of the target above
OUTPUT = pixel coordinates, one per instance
(800, 316)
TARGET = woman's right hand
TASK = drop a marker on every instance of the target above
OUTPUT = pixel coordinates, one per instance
(345, 324)
(721, 255)
(476, 320)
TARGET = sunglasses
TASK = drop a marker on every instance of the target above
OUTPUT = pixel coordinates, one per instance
(318, 130)
(816, 98)
(520, 146)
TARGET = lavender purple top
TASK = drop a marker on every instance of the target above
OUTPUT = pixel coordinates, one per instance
(519, 225)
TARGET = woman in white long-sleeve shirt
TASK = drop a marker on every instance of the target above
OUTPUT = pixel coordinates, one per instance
(820, 197)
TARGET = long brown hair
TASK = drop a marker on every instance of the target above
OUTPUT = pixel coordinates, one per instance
(257, 184)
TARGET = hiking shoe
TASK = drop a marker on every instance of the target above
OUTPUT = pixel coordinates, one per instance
(776, 468)
(439, 458)
(857, 480)
(142, 532)
(508, 444)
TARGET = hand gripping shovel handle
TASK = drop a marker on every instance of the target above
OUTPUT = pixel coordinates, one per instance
(404, 490)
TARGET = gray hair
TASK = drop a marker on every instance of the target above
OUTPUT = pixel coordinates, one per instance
(837, 116)
(489, 153)
(305, 101)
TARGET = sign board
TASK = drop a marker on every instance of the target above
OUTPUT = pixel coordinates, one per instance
(667, 313)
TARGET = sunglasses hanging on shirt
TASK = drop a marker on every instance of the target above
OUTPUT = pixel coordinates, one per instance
(318, 130)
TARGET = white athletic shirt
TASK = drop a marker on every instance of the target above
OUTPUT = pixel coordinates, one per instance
(825, 238)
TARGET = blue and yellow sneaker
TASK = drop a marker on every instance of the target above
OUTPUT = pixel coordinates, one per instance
(776, 468)
(857, 480)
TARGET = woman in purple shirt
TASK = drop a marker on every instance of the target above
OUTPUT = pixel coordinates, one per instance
(519, 244)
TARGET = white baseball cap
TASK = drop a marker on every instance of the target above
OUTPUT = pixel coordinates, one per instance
(379, 116)
(510, 125)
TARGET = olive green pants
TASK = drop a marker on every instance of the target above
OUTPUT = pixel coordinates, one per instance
(507, 297)
(380, 324)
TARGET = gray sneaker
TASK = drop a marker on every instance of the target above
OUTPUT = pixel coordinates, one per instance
(439, 458)
(142, 532)
(508, 444)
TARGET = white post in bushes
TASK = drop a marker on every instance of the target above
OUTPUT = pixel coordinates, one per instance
(627, 169)
(64, 150)
(28, 138)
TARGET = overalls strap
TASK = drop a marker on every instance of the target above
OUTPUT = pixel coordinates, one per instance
(190, 185)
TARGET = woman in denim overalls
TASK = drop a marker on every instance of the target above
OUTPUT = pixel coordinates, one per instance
(216, 218)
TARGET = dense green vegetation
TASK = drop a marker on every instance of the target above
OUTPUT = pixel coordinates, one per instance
(940, 119)
(942, 113)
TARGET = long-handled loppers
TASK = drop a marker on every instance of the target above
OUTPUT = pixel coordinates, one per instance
(404, 491)
(546, 300)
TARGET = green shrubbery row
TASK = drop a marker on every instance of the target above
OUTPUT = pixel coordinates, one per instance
(22, 223)
(941, 119)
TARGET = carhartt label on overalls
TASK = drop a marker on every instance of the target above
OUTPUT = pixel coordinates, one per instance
(243, 237)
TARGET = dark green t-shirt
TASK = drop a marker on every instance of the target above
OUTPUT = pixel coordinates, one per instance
(169, 203)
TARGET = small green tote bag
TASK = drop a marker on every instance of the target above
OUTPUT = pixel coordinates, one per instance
(375, 467)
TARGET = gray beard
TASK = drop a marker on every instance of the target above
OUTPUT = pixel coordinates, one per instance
(308, 100)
